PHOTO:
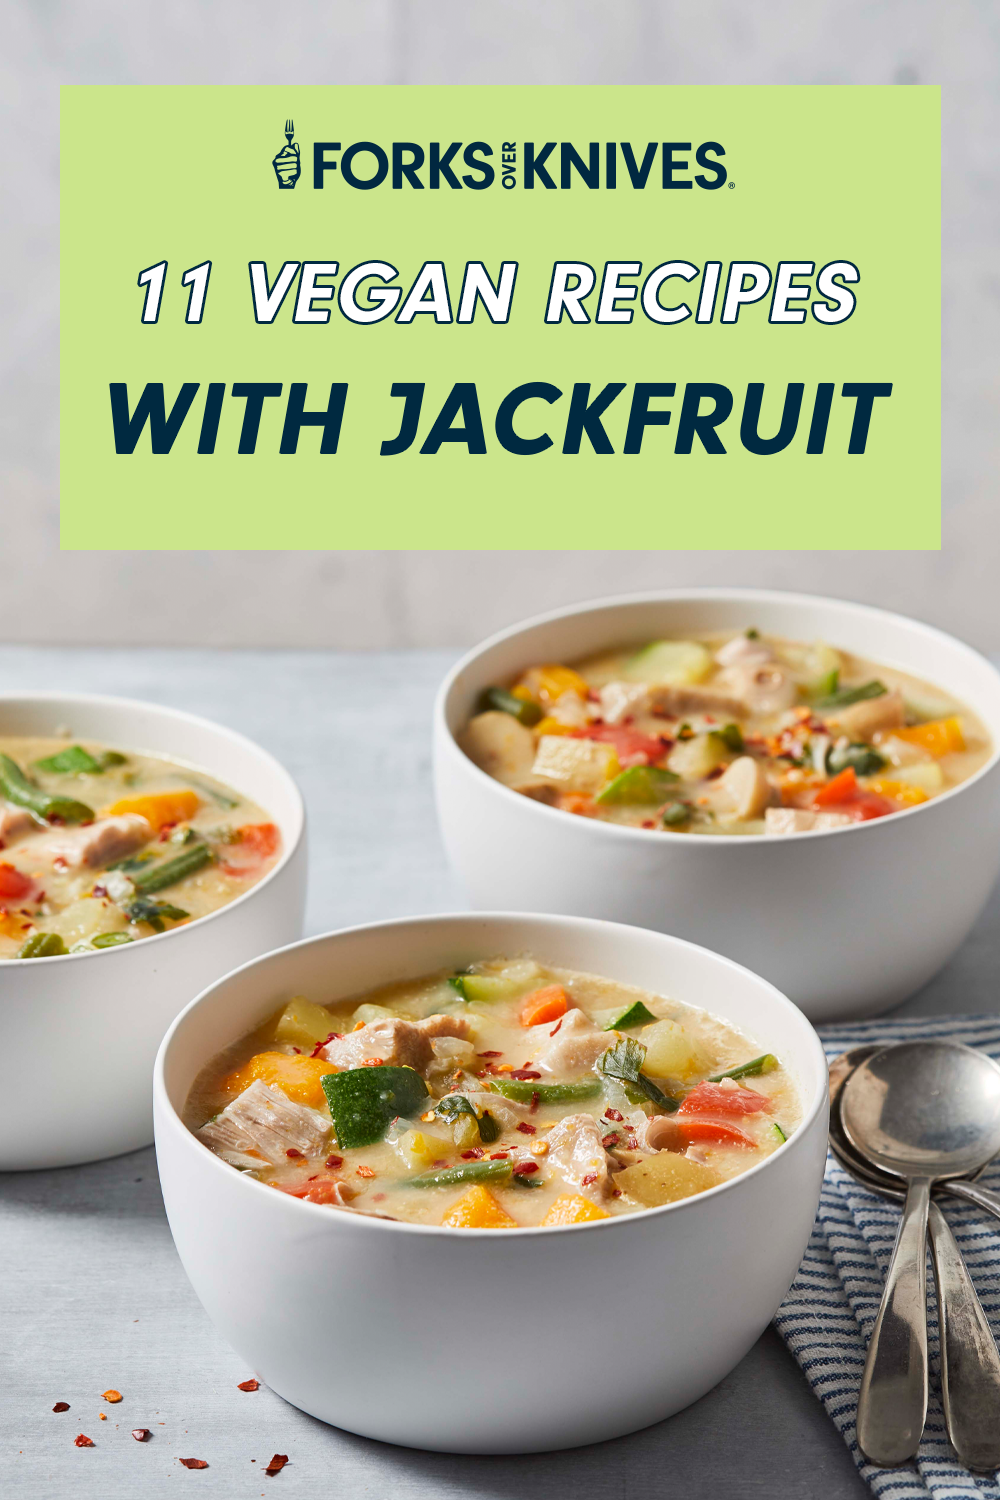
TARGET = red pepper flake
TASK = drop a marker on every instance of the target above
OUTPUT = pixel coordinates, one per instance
(534, 1102)
(614, 1114)
(297, 1051)
(616, 1192)
(647, 823)
(366, 1172)
(335, 1161)
(113, 1396)
(141, 1434)
(61, 1406)
(335, 1036)
(499, 1155)
(293, 1151)
(277, 1463)
(590, 1177)
(248, 1385)
(611, 1139)
(556, 1026)
(193, 1463)
(474, 1154)
(489, 1054)
(82, 1441)
(525, 1169)
(373, 1062)
(378, 1197)
(525, 1128)
(442, 1161)
(524, 1073)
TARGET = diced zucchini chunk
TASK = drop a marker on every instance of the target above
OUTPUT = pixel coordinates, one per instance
(669, 663)
(303, 1024)
(925, 774)
(367, 1013)
(693, 759)
(671, 1052)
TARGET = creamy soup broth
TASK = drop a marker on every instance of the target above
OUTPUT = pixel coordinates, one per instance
(527, 1095)
(726, 733)
(101, 846)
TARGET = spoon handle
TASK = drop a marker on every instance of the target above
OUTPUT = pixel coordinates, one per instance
(959, 1187)
(892, 1403)
(970, 1365)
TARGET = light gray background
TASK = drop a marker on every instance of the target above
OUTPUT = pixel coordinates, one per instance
(432, 598)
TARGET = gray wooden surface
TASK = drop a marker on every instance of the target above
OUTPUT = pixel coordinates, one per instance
(92, 1295)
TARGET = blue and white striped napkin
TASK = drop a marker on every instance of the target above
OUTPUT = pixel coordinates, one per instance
(828, 1315)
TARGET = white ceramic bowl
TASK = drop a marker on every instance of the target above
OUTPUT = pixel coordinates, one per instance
(847, 922)
(78, 1035)
(489, 1341)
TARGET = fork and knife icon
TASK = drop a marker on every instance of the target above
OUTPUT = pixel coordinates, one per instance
(287, 164)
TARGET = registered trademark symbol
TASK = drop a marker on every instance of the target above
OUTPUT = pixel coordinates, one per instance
(732, 184)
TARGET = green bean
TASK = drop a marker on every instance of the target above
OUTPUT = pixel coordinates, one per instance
(110, 939)
(766, 1063)
(525, 710)
(42, 945)
(17, 788)
(158, 877)
(844, 697)
(473, 1171)
(524, 1089)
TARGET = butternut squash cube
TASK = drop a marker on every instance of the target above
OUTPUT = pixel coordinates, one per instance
(158, 808)
(571, 1208)
(478, 1209)
(297, 1077)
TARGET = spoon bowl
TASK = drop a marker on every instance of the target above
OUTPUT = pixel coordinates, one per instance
(924, 1109)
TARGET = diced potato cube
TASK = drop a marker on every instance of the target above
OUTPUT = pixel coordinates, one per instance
(575, 765)
(665, 1178)
(303, 1024)
(671, 1052)
(572, 1208)
(500, 746)
(478, 1209)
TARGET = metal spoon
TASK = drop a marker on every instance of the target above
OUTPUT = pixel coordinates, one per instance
(921, 1111)
(970, 1363)
(955, 1187)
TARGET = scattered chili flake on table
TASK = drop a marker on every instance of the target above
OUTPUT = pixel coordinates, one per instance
(61, 1406)
(103, 1417)
(248, 1385)
(141, 1434)
(82, 1441)
(193, 1463)
(277, 1463)
(112, 1396)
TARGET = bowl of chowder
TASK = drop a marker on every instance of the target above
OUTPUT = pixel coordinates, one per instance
(142, 850)
(807, 784)
(537, 1109)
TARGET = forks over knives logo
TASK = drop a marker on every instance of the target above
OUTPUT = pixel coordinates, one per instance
(287, 164)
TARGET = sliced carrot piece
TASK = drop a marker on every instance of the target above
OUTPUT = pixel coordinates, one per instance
(478, 1209)
(544, 1005)
(572, 1208)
